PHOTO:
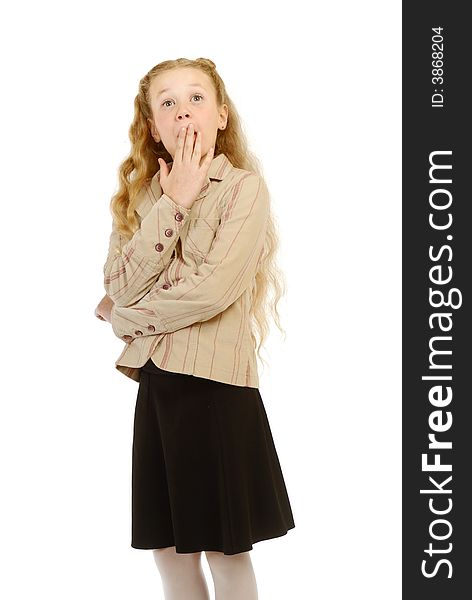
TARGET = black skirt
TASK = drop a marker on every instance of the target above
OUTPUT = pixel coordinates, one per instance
(205, 471)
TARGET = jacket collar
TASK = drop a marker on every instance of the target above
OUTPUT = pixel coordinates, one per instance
(219, 168)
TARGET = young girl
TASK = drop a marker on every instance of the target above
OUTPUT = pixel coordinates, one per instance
(190, 258)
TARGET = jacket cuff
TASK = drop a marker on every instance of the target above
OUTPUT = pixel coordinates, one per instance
(160, 229)
(129, 323)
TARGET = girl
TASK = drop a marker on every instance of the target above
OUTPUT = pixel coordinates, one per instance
(190, 258)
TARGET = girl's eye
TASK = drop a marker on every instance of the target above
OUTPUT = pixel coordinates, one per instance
(199, 95)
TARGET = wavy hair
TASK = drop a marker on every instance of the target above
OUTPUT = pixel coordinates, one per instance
(141, 165)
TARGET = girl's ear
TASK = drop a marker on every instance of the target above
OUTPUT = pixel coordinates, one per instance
(224, 116)
(153, 129)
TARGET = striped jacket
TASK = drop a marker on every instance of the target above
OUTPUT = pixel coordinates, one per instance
(183, 285)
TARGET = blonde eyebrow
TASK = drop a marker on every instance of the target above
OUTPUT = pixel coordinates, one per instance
(190, 85)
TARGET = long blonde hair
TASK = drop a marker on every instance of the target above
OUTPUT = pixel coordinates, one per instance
(142, 163)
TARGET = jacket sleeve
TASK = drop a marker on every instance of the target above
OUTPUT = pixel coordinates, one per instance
(132, 268)
(229, 269)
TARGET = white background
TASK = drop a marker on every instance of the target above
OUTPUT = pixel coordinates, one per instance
(318, 88)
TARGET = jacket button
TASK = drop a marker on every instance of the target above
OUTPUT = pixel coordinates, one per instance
(169, 232)
(166, 286)
(137, 332)
(127, 338)
(179, 216)
(151, 328)
(159, 247)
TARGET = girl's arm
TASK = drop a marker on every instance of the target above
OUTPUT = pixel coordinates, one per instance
(131, 269)
(228, 270)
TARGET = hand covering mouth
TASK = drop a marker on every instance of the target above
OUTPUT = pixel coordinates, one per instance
(194, 131)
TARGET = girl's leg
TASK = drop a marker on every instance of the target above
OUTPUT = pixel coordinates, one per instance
(233, 576)
(181, 574)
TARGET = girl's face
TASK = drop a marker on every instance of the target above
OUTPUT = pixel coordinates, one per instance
(181, 96)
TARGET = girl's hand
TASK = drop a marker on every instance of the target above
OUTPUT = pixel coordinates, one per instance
(103, 309)
(187, 176)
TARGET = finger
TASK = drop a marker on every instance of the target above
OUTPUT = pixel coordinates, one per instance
(189, 139)
(163, 170)
(209, 155)
(180, 146)
(197, 150)
(207, 159)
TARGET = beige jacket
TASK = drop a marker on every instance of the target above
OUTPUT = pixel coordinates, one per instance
(183, 285)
